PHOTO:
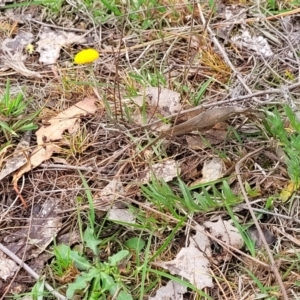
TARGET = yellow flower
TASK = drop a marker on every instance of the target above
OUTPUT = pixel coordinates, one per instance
(86, 56)
(29, 48)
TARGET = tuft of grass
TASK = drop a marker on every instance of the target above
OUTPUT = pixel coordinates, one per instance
(11, 114)
(288, 138)
(209, 197)
(196, 99)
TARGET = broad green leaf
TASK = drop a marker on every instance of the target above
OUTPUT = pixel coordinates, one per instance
(136, 244)
(91, 241)
(80, 262)
(113, 260)
(81, 282)
(124, 296)
(108, 283)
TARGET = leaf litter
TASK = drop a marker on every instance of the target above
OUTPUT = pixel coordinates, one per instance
(19, 158)
(105, 159)
(12, 54)
(51, 42)
(47, 137)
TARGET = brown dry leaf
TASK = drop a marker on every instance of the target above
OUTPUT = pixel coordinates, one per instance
(207, 120)
(46, 136)
(50, 43)
(209, 138)
(18, 158)
(192, 262)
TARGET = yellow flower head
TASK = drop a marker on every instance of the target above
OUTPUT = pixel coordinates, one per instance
(86, 56)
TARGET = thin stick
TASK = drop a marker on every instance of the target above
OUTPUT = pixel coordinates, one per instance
(270, 255)
(31, 272)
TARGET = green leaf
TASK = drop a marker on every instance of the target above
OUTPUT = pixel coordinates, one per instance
(108, 283)
(202, 90)
(81, 282)
(292, 118)
(123, 295)
(80, 262)
(113, 260)
(91, 241)
(6, 127)
(136, 244)
(90, 200)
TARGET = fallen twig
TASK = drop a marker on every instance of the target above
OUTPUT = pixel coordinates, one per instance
(31, 272)
(262, 236)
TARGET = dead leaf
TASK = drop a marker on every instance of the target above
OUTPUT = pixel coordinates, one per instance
(258, 44)
(192, 262)
(209, 138)
(50, 43)
(166, 170)
(18, 43)
(13, 56)
(18, 158)
(207, 119)
(172, 291)
(232, 14)
(122, 215)
(7, 267)
(42, 227)
(254, 234)
(224, 231)
(287, 192)
(70, 238)
(165, 100)
(107, 197)
(213, 169)
(2, 2)
(161, 102)
(46, 136)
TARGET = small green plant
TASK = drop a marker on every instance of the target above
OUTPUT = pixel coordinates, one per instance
(250, 243)
(63, 260)
(146, 77)
(97, 278)
(289, 139)
(12, 107)
(199, 94)
(11, 110)
(207, 199)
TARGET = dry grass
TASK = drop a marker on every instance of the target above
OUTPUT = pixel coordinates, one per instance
(168, 45)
